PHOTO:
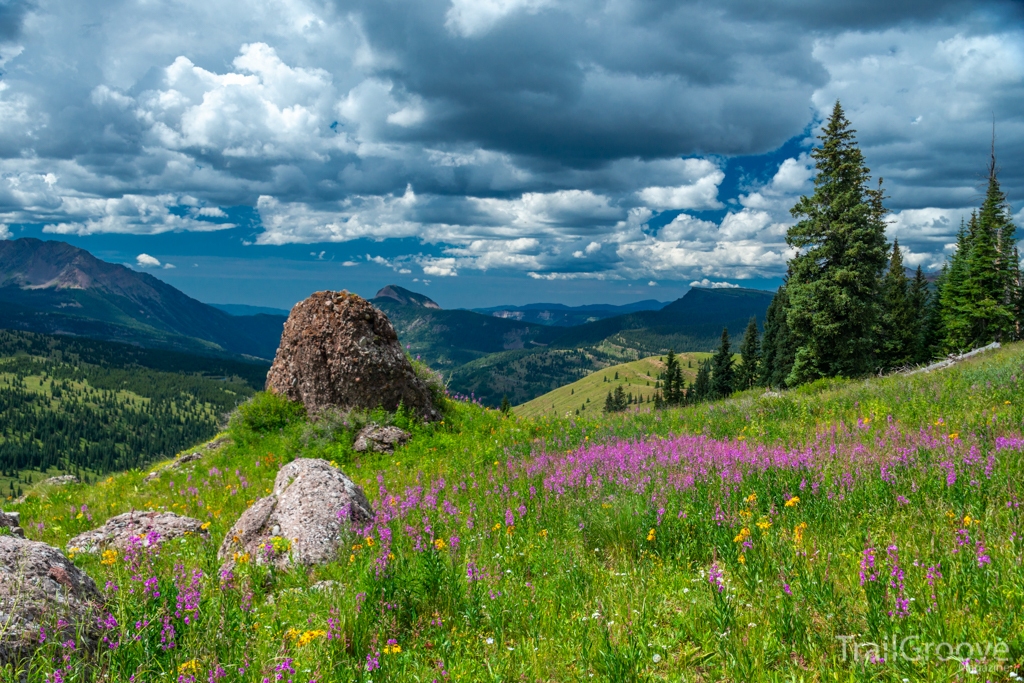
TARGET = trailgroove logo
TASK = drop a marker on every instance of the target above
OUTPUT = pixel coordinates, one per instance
(913, 649)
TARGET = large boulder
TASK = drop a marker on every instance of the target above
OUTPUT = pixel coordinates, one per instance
(338, 350)
(42, 589)
(118, 531)
(304, 520)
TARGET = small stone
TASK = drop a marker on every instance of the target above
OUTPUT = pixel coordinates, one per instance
(118, 531)
(377, 439)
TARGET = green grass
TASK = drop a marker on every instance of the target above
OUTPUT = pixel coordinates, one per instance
(588, 394)
(618, 567)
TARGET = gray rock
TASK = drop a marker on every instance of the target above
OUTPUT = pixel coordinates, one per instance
(185, 459)
(12, 521)
(307, 516)
(62, 480)
(119, 530)
(377, 439)
(38, 587)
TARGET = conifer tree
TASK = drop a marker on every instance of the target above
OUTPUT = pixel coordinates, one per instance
(722, 370)
(920, 307)
(835, 278)
(701, 388)
(777, 349)
(671, 388)
(953, 300)
(899, 324)
(750, 353)
(994, 219)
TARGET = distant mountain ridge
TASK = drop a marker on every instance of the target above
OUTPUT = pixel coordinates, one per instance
(561, 315)
(244, 309)
(55, 287)
(406, 297)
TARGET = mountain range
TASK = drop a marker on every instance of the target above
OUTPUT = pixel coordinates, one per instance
(515, 351)
(56, 288)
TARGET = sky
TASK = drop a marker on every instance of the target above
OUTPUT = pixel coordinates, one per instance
(489, 152)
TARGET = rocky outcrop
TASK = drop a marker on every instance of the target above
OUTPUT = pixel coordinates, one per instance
(42, 589)
(118, 531)
(303, 521)
(338, 350)
(12, 521)
(62, 480)
(377, 439)
(184, 459)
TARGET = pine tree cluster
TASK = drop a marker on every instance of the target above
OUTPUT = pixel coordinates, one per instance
(847, 307)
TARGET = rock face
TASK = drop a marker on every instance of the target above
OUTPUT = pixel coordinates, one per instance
(12, 521)
(62, 480)
(39, 586)
(119, 530)
(338, 350)
(379, 439)
(303, 521)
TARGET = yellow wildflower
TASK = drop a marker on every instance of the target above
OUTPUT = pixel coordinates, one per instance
(798, 532)
(191, 666)
(509, 529)
(764, 524)
(439, 543)
(743, 535)
(351, 559)
(954, 436)
(742, 559)
(241, 558)
(309, 636)
(543, 533)
(751, 499)
(650, 535)
(204, 526)
(745, 513)
(497, 525)
(109, 557)
(793, 502)
(392, 649)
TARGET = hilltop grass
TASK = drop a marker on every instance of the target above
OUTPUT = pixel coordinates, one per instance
(730, 541)
(587, 395)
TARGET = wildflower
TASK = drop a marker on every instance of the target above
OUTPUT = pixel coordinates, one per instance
(369, 541)
(764, 524)
(650, 535)
(189, 667)
(742, 559)
(743, 535)
(439, 544)
(867, 566)
(392, 648)
(751, 499)
(716, 578)
(954, 436)
(109, 557)
(497, 525)
(543, 533)
(241, 558)
(793, 502)
(204, 526)
(798, 532)
(309, 636)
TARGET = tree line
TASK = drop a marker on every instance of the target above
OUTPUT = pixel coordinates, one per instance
(847, 307)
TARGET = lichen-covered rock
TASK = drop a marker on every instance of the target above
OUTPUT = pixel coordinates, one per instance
(40, 588)
(118, 531)
(338, 350)
(377, 439)
(304, 520)
(62, 480)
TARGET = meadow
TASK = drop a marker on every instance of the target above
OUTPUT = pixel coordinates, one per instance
(769, 537)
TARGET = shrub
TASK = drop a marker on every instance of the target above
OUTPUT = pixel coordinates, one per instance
(266, 412)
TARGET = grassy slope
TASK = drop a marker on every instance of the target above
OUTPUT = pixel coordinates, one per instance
(593, 583)
(637, 377)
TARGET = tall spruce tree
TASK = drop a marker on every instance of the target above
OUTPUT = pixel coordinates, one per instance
(701, 388)
(750, 353)
(899, 319)
(835, 279)
(953, 299)
(777, 348)
(920, 307)
(994, 219)
(673, 382)
(722, 371)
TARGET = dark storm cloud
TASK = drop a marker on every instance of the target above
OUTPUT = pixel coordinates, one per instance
(539, 135)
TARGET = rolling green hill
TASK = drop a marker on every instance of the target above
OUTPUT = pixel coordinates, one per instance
(587, 395)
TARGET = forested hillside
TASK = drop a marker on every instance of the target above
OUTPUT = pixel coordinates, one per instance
(75, 405)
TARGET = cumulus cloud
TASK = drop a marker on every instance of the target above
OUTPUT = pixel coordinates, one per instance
(147, 261)
(539, 136)
(713, 285)
(5, 232)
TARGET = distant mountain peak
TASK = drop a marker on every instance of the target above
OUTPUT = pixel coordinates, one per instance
(404, 296)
